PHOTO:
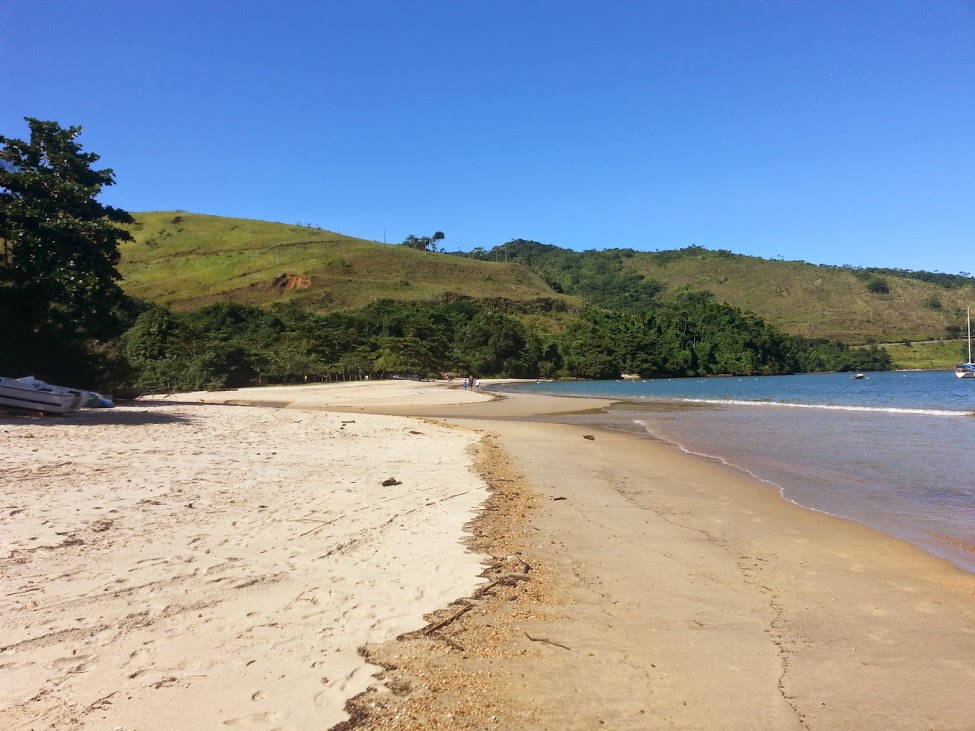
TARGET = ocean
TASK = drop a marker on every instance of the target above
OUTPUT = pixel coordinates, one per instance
(894, 451)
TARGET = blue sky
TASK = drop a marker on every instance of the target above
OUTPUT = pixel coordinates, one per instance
(832, 131)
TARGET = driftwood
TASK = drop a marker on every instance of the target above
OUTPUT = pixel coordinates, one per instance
(443, 499)
(506, 580)
(523, 562)
(449, 642)
(547, 642)
(321, 524)
(441, 625)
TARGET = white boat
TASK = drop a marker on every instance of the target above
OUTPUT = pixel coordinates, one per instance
(32, 395)
(967, 370)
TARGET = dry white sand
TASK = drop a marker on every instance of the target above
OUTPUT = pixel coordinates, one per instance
(360, 395)
(179, 566)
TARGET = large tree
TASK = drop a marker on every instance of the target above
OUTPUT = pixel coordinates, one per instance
(59, 292)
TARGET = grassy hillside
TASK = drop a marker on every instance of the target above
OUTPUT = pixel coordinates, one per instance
(186, 260)
(814, 301)
(934, 355)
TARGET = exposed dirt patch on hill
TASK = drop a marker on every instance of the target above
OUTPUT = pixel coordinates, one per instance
(291, 282)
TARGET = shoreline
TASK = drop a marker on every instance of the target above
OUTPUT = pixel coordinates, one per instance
(630, 585)
(824, 623)
(944, 536)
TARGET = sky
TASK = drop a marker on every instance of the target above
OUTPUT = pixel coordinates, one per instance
(830, 131)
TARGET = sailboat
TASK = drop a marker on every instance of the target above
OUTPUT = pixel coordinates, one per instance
(967, 370)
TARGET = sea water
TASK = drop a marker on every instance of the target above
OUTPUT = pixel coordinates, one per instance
(894, 451)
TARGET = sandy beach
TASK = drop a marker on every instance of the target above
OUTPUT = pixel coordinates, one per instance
(173, 565)
(179, 564)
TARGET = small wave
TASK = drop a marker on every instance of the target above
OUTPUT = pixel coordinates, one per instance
(831, 407)
(721, 460)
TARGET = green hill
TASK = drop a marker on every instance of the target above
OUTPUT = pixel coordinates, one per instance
(927, 356)
(185, 261)
(815, 301)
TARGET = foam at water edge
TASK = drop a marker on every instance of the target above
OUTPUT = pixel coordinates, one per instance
(830, 407)
(721, 460)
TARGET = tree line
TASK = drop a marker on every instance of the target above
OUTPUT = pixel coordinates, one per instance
(227, 345)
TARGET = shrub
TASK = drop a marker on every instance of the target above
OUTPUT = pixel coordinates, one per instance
(876, 285)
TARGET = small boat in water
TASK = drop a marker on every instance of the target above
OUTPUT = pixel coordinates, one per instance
(967, 370)
(858, 376)
(32, 395)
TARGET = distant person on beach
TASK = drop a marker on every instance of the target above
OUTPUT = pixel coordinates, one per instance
(477, 384)
(466, 384)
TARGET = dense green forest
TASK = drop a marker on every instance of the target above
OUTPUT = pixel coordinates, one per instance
(225, 345)
(69, 320)
(601, 278)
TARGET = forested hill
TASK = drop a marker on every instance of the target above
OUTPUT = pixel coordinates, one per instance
(842, 303)
(186, 261)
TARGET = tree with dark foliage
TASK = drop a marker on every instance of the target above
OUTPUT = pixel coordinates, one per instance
(424, 243)
(59, 292)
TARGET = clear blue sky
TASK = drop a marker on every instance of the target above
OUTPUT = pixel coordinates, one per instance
(834, 131)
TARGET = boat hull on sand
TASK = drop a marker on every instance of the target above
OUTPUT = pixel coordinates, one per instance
(29, 394)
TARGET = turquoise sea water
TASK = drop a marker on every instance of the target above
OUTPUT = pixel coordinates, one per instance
(895, 451)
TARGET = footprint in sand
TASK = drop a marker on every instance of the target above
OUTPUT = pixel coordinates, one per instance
(344, 682)
(139, 657)
(253, 719)
(72, 660)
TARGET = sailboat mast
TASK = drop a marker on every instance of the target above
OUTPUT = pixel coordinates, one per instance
(969, 334)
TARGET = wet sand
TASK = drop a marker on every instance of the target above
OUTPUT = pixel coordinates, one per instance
(700, 599)
(679, 593)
